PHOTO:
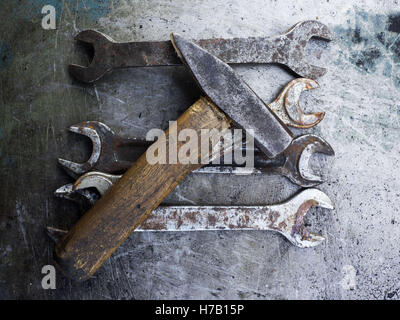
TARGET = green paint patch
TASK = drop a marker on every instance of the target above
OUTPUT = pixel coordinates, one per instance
(371, 43)
(5, 55)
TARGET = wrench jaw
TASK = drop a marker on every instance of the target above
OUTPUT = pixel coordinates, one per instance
(298, 155)
(87, 189)
(85, 198)
(307, 29)
(105, 155)
(302, 32)
(292, 104)
(99, 180)
(309, 241)
(318, 146)
(88, 74)
(97, 66)
(80, 168)
(287, 105)
(294, 229)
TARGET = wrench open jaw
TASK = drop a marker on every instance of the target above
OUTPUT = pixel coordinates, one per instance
(288, 49)
(105, 155)
(100, 62)
(286, 218)
(297, 160)
(94, 136)
(291, 222)
(287, 105)
(301, 33)
(85, 197)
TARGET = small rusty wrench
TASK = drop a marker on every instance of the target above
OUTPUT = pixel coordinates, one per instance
(288, 49)
(286, 218)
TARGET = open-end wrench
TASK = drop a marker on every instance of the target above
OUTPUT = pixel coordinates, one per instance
(286, 218)
(293, 163)
(288, 49)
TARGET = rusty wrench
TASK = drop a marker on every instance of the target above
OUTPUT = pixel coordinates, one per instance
(288, 49)
(293, 163)
(109, 156)
(286, 218)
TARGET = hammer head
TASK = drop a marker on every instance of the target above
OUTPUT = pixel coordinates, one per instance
(224, 87)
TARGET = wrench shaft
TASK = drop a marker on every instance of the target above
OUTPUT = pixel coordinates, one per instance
(194, 218)
(162, 53)
(124, 151)
(142, 54)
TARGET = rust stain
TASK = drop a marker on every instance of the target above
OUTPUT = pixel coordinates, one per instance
(273, 217)
(179, 223)
(298, 227)
(192, 216)
(211, 220)
(153, 225)
(282, 225)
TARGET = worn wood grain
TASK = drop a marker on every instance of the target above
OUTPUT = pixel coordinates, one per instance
(129, 202)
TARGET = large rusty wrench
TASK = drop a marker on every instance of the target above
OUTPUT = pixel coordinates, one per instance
(287, 218)
(142, 188)
(293, 163)
(109, 148)
(288, 49)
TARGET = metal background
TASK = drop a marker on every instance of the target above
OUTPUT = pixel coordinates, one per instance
(360, 94)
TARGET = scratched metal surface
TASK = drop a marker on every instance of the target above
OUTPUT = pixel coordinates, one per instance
(360, 94)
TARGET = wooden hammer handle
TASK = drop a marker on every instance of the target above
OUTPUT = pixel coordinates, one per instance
(129, 202)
